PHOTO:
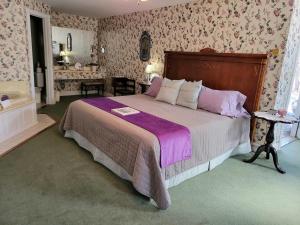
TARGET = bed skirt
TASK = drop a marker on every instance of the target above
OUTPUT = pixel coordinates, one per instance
(102, 158)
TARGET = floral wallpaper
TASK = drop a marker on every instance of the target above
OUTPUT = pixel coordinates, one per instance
(62, 19)
(78, 74)
(245, 26)
(13, 38)
(72, 79)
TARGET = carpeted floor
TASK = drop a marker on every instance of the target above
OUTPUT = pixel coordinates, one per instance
(50, 180)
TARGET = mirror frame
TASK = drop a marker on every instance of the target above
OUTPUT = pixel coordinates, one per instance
(69, 42)
(145, 46)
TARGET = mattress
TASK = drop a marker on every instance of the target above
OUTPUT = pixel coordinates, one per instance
(137, 151)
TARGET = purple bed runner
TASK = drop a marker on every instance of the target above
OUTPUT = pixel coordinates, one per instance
(175, 140)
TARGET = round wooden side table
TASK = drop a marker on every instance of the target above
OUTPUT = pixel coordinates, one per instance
(268, 147)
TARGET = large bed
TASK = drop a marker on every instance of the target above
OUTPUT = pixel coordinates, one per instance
(133, 153)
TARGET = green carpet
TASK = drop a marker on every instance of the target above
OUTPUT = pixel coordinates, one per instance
(50, 180)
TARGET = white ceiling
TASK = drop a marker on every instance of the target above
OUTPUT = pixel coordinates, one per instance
(106, 8)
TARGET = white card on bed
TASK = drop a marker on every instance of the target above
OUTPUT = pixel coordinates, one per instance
(125, 111)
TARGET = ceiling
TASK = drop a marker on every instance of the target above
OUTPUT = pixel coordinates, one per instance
(106, 8)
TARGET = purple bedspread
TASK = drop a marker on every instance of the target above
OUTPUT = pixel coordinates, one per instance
(175, 140)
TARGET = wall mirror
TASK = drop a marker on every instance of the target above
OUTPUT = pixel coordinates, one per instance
(72, 45)
(69, 42)
(145, 46)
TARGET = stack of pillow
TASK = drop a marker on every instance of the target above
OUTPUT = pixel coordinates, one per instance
(193, 95)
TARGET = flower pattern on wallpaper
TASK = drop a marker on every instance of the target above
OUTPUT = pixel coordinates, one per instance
(72, 79)
(14, 60)
(62, 19)
(78, 74)
(245, 26)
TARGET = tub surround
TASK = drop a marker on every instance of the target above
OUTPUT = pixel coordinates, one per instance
(21, 113)
(17, 118)
(43, 122)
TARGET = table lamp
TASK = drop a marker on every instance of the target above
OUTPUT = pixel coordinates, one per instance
(149, 70)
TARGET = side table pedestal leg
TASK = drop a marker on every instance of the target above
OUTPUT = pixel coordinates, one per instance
(275, 160)
(257, 153)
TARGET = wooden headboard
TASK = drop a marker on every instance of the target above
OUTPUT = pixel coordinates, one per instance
(222, 71)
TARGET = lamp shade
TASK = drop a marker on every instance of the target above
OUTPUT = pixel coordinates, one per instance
(64, 53)
(149, 69)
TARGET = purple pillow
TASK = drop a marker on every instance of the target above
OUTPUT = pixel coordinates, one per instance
(226, 103)
(155, 87)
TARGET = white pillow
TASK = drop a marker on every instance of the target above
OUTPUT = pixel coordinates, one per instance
(188, 94)
(169, 91)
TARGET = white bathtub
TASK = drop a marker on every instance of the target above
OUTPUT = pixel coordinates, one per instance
(19, 116)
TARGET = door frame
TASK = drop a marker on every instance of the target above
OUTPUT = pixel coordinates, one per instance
(50, 99)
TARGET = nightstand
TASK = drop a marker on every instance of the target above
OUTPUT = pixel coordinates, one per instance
(268, 148)
(123, 86)
(144, 86)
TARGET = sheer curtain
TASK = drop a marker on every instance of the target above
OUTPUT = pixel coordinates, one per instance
(294, 104)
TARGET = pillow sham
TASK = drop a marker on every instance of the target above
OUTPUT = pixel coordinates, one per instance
(226, 103)
(154, 87)
(169, 91)
(188, 94)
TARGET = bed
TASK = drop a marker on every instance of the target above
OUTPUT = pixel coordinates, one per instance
(133, 153)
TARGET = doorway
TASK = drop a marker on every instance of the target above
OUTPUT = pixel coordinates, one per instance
(40, 58)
